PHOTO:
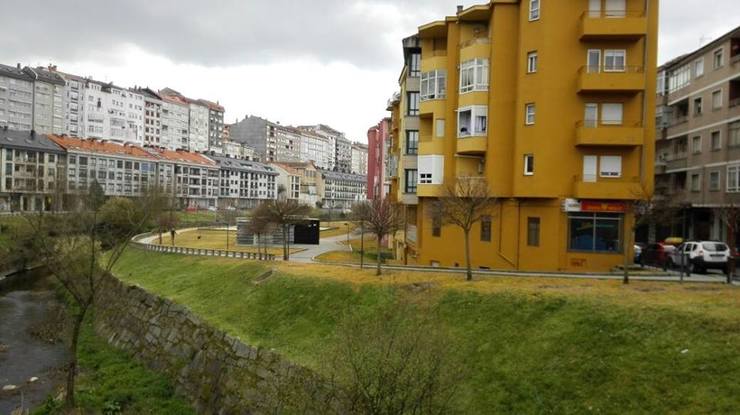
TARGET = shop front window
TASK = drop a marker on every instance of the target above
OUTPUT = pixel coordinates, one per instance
(595, 232)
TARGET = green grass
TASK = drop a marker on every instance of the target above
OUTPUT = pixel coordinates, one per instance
(112, 382)
(526, 352)
(194, 218)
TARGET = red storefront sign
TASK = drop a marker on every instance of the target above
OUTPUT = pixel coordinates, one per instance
(603, 207)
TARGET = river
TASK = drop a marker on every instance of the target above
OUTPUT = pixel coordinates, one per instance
(30, 326)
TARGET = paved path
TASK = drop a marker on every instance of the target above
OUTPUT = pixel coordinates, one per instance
(332, 243)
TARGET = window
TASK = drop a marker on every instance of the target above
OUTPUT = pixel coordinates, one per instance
(534, 10)
(611, 114)
(485, 229)
(529, 164)
(717, 99)
(695, 182)
(614, 60)
(413, 103)
(698, 67)
(412, 142)
(697, 106)
(716, 141)
(474, 75)
(714, 184)
(529, 114)
(410, 177)
(472, 121)
(433, 85)
(610, 166)
(415, 64)
(596, 232)
(532, 62)
(440, 128)
(436, 226)
(533, 231)
(431, 169)
(734, 133)
(719, 58)
(733, 179)
(679, 78)
(696, 144)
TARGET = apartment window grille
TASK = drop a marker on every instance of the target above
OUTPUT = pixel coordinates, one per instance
(529, 114)
(534, 10)
(485, 229)
(533, 231)
(434, 85)
(532, 62)
(412, 142)
(529, 164)
(596, 232)
(474, 75)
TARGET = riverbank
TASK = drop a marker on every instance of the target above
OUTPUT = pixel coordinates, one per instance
(33, 359)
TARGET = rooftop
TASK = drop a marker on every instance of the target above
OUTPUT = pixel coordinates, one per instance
(14, 72)
(244, 165)
(99, 146)
(180, 156)
(26, 140)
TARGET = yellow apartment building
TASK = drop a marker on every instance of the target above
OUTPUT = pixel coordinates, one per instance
(553, 103)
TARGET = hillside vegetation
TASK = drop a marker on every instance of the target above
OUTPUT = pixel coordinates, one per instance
(530, 345)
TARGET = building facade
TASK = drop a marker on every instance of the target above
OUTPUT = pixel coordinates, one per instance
(16, 98)
(698, 140)
(215, 123)
(377, 138)
(195, 177)
(359, 158)
(153, 118)
(33, 169)
(244, 184)
(48, 100)
(559, 124)
(289, 181)
(175, 119)
(342, 190)
(311, 182)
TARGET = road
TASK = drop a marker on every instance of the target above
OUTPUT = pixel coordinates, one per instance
(332, 243)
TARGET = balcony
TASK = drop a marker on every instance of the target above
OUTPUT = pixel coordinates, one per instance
(623, 188)
(608, 25)
(629, 79)
(590, 133)
(472, 145)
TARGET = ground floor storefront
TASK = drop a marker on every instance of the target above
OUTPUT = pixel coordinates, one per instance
(20, 202)
(533, 235)
(691, 223)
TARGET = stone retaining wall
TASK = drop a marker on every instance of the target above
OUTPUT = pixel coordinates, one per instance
(218, 373)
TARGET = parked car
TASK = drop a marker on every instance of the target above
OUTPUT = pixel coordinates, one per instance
(657, 254)
(702, 255)
(638, 252)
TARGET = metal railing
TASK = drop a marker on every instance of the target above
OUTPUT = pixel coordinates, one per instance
(602, 124)
(223, 253)
(611, 70)
(612, 14)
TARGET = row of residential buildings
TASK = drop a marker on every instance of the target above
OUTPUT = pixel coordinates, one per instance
(326, 147)
(40, 172)
(49, 101)
(553, 104)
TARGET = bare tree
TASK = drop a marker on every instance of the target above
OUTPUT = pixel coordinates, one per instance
(259, 225)
(382, 218)
(360, 214)
(464, 204)
(79, 248)
(284, 213)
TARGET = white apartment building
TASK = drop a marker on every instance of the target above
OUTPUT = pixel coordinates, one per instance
(244, 184)
(330, 145)
(289, 180)
(16, 98)
(152, 118)
(315, 148)
(175, 119)
(359, 159)
(48, 100)
(198, 126)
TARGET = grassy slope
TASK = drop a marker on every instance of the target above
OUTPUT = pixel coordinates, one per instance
(532, 345)
(110, 380)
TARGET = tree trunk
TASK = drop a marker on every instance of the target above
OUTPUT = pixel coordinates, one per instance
(362, 246)
(626, 263)
(469, 276)
(72, 367)
(377, 271)
(285, 244)
(160, 237)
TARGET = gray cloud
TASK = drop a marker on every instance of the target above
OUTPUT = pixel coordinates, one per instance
(211, 32)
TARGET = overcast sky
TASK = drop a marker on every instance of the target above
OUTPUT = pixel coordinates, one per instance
(293, 61)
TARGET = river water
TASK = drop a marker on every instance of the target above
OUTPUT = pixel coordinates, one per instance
(29, 346)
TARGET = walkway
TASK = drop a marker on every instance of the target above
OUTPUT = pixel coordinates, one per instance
(332, 243)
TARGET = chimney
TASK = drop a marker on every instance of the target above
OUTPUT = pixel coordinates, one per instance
(18, 65)
(459, 8)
